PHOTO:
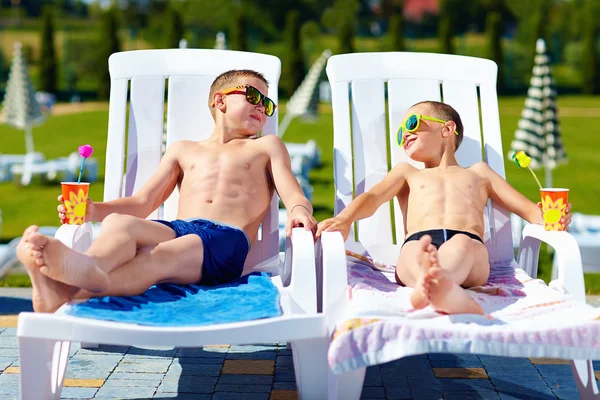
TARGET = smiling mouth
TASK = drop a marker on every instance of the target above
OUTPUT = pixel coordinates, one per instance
(256, 117)
(410, 141)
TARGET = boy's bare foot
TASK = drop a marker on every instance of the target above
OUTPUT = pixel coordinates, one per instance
(444, 294)
(62, 264)
(47, 295)
(419, 298)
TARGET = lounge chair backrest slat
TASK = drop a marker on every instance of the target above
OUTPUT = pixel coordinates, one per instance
(182, 77)
(360, 83)
(145, 132)
(370, 166)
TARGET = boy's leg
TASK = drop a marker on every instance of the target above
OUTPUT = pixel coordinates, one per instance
(177, 261)
(120, 237)
(410, 268)
(465, 260)
(444, 293)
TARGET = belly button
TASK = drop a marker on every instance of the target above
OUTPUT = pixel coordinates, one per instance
(209, 201)
(247, 166)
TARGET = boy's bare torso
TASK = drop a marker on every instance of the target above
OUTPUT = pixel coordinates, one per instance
(227, 182)
(450, 198)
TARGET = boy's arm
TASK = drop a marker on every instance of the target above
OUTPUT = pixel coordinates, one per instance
(151, 195)
(367, 203)
(500, 191)
(287, 186)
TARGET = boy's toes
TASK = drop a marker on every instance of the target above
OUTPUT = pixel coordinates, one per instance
(37, 239)
(29, 231)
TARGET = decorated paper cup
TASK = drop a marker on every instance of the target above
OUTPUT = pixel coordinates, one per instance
(75, 201)
(554, 206)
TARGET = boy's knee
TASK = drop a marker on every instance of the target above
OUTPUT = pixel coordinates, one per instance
(115, 220)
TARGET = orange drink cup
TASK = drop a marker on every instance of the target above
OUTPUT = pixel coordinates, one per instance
(554, 206)
(75, 201)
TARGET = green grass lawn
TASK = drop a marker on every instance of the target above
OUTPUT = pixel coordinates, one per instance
(60, 135)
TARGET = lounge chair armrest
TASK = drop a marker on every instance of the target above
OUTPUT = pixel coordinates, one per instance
(76, 237)
(334, 279)
(568, 256)
(299, 270)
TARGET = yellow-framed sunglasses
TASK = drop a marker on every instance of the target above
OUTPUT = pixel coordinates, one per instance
(253, 96)
(411, 124)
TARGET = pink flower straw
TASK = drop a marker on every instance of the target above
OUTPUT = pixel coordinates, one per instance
(85, 151)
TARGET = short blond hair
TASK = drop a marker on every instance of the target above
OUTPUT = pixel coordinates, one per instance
(231, 78)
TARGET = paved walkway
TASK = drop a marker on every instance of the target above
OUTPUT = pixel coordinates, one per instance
(266, 371)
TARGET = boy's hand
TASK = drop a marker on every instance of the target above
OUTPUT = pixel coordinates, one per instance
(334, 224)
(566, 220)
(300, 217)
(89, 210)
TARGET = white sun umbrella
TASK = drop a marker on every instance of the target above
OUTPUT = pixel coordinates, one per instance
(20, 108)
(538, 131)
(303, 97)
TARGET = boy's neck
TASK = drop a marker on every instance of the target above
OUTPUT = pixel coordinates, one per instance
(447, 160)
(224, 135)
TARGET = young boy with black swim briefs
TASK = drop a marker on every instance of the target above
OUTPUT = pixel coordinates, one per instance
(225, 182)
(443, 208)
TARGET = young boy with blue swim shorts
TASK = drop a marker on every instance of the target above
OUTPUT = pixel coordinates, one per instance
(442, 205)
(225, 183)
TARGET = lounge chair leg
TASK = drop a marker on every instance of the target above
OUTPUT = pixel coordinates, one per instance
(348, 386)
(311, 368)
(583, 371)
(43, 364)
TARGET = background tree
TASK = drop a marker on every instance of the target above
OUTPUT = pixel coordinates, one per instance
(293, 66)
(590, 73)
(48, 63)
(494, 44)
(446, 27)
(395, 31)
(109, 43)
(174, 28)
(344, 12)
(238, 31)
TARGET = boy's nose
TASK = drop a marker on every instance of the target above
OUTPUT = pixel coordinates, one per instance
(260, 107)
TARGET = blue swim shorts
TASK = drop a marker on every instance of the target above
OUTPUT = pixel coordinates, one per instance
(225, 248)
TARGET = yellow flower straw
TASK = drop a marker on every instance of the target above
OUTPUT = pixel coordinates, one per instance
(523, 160)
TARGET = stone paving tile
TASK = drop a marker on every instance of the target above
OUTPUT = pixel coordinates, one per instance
(284, 386)
(284, 395)
(239, 379)
(8, 332)
(135, 376)
(183, 396)
(138, 351)
(8, 341)
(236, 396)
(284, 375)
(195, 369)
(198, 360)
(200, 352)
(78, 393)
(125, 392)
(188, 384)
(285, 362)
(148, 365)
(224, 387)
(261, 367)
(261, 355)
(373, 392)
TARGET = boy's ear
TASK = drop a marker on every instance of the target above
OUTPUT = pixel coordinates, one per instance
(219, 100)
(449, 129)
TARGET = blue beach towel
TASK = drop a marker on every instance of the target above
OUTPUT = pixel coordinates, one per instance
(250, 297)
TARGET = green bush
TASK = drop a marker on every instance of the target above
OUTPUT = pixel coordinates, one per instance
(293, 64)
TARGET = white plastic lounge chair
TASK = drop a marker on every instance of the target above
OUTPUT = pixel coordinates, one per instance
(377, 322)
(44, 339)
